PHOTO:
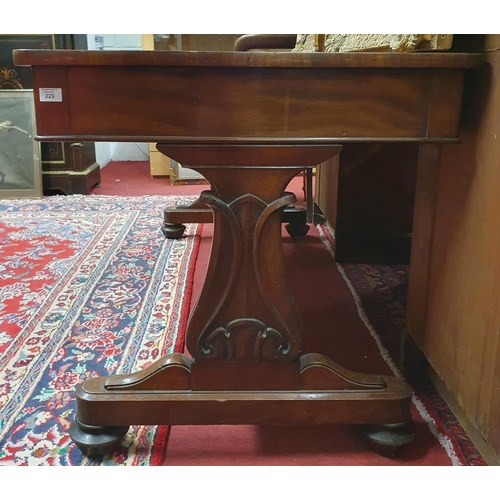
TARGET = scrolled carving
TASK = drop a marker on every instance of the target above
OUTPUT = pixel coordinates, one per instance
(241, 335)
(9, 79)
(249, 318)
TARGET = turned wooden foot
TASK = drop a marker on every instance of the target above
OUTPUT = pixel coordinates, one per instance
(174, 218)
(95, 440)
(296, 217)
(389, 439)
(172, 230)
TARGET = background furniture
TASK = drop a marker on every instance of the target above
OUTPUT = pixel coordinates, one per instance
(20, 170)
(367, 196)
(67, 168)
(454, 300)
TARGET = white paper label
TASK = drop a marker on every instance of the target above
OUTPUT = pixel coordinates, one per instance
(50, 95)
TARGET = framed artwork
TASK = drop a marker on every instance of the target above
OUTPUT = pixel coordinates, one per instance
(20, 165)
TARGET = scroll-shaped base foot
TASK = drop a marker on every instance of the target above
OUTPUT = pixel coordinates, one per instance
(389, 439)
(96, 440)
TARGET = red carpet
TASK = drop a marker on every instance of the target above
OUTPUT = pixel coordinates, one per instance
(132, 178)
(88, 287)
(334, 327)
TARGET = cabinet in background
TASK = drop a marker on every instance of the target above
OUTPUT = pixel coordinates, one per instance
(67, 168)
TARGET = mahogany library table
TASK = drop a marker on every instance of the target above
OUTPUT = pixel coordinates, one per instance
(249, 122)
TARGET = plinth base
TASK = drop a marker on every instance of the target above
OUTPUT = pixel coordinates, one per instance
(166, 394)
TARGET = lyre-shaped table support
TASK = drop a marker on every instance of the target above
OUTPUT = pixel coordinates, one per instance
(246, 363)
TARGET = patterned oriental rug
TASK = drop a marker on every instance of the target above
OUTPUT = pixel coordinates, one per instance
(88, 286)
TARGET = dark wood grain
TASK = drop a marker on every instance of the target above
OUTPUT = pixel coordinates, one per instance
(273, 103)
(288, 102)
(454, 302)
(422, 242)
(247, 407)
(245, 59)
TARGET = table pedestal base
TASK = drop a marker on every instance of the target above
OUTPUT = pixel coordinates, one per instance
(176, 391)
(245, 335)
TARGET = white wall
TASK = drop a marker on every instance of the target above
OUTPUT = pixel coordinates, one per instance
(115, 42)
(119, 151)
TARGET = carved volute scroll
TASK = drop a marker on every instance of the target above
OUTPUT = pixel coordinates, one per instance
(9, 79)
(246, 311)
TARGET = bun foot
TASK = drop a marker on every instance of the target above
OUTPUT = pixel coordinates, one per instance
(389, 439)
(96, 440)
(172, 230)
(296, 217)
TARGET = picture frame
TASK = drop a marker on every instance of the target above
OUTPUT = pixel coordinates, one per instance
(20, 158)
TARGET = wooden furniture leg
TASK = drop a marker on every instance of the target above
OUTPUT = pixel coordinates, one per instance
(296, 217)
(429, 159)
(246, 363)
(174, 218)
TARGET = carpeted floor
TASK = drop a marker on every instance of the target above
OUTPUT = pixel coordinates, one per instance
(351, 313)
(89, 286)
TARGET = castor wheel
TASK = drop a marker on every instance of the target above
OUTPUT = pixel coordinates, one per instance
(96, 440)
(173, 231)
(389, 439)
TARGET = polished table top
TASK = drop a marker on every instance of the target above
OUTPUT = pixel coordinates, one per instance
(203, 97)
(30, 57)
